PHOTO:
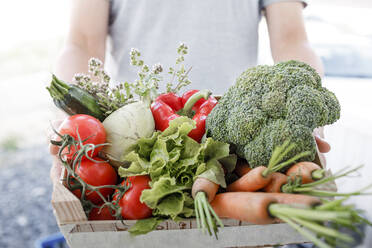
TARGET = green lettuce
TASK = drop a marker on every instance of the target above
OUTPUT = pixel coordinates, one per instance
(173, 161)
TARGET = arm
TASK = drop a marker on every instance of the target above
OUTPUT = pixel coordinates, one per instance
(288, 38)
(86, 37)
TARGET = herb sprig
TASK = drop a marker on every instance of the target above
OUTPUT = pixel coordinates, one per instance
(145, 87)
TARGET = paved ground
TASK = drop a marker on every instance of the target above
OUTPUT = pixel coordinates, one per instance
(25, 189)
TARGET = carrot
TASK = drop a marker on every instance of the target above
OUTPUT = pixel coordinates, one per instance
(204, 185)
(295, 186)
(245, 206)
(308, 171)
(263, 208)
(277, 181)
(252, 181)
(253, 206)
(206, 218)
(260, 176)
(296, 199)
(242, 168)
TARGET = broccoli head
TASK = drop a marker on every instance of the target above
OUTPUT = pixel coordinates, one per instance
(269, 105)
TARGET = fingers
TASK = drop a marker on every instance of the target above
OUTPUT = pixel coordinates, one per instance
(55, 171)
(51, 135)
(53, 149)
(323, 145)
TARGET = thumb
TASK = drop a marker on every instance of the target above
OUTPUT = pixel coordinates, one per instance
(323, 145)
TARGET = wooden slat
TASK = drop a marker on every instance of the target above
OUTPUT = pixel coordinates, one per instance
(237, 236)
(67, 207)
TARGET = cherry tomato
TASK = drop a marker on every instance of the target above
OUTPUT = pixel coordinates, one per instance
(131, 207)
(96, 174)
(88, 128)
(105, 214)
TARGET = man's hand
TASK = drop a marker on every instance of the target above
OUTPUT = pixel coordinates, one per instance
(55, 171)
(323, 146)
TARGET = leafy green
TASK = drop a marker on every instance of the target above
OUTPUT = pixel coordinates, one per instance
(160, 189)
(173, 161)
(144, 226)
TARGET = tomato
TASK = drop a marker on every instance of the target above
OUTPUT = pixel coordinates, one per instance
(131, 207)
(88, 128)
(96, 174)
(105, 214)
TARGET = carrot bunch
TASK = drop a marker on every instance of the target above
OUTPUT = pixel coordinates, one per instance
(263, 195)
(261, 176)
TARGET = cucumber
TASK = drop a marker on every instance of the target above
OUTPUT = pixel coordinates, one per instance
(74, 100)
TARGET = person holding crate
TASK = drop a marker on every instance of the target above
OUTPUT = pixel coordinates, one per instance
(223, 37)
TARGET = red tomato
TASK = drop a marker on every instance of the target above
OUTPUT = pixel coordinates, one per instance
(131, 207)
(96, 174)
(105, 214)
(88, 128)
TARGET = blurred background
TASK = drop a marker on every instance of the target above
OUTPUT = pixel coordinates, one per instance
(32, 36)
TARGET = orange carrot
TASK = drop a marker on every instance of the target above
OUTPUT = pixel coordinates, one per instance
(308, 171)
(245, 206)
(252, 181)
(296, 199)
(263, 208)
(204, 185)
(260, 176)
(242, 168)
(277, 181)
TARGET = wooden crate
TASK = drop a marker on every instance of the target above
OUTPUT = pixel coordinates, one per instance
(79, 232)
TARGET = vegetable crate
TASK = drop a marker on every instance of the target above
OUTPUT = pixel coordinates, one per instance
(79, 232)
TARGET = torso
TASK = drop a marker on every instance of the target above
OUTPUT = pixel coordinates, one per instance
(221, 36)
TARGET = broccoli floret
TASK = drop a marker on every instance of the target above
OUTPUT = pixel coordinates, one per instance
(269, 105)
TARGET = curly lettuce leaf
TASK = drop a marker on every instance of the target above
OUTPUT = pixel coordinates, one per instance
(178, 127)
(145, 226)
(214, 173)
(229, 162)
(173, 161)
(215, 149)
(159, 189)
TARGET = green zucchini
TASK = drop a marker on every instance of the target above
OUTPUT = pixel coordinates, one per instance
(74, 100)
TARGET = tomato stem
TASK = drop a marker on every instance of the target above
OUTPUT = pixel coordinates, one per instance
(81, 150)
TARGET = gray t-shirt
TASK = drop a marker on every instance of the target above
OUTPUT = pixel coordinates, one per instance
(222, 37)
